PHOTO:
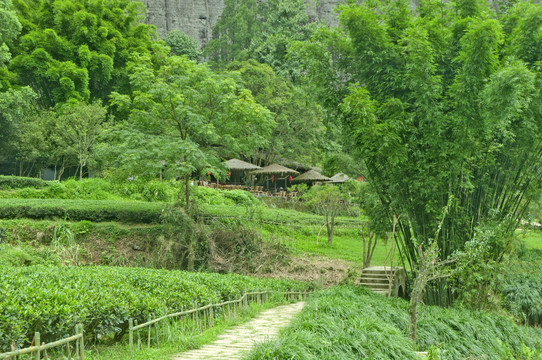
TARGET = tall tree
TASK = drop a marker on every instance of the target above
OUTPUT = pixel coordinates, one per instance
(81, 124)
(196, 115)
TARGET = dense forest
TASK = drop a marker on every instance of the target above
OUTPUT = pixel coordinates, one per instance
(440, 108)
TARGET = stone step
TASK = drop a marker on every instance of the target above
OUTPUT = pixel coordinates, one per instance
(381, 292)
(376, 280)
(380, 270)
(374, 286)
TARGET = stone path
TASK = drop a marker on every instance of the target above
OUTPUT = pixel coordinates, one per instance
(239, 340)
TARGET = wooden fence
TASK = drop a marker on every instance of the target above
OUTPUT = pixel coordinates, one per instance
(35, 352)
(198, 319)
(201, 318)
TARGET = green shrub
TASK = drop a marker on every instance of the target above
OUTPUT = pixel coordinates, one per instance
(97, 211)
(353, 323)
(52, 300)
(19, 182)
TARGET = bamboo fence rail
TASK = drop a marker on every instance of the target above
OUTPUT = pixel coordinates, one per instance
(35, 350)
(201, 318)
(196, 319)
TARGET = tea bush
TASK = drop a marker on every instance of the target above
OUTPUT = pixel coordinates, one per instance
(19, 182)
(53, 299)
(121, 211)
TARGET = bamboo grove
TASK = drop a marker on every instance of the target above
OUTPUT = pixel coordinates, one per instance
(446, 113)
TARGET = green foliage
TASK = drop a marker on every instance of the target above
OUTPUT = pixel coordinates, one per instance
(81, 124)
(11, 27)
(298, 117)
(182, 44)
(92, 210)
(15, 104)
(52, 300)
(182, 115)
(18, 182)
(97, 189)
(24, 255)
(428, 128)
(348, 322)
(77, 49)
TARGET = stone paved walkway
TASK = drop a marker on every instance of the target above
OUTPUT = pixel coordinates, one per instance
(239, 340)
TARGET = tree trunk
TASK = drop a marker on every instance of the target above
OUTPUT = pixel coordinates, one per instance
(330, 228)
(413, 313)
(187, 191)
(191, 254)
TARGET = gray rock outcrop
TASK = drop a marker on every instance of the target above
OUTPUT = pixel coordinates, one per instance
(198, 17)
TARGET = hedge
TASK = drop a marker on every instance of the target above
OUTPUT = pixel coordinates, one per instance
(19, 182)
(77, 210)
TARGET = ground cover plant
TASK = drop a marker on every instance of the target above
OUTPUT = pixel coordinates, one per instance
(348, 322)
(53, 299)
(521, 287)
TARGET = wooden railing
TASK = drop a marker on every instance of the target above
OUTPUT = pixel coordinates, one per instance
(200, 318)
(36, 350)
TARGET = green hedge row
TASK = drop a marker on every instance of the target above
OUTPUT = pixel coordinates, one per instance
(52, 299)
(76, 210)
(354, 323)
(19, 182)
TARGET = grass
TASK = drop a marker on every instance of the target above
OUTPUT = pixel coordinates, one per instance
(347, 322)
(299, 231)
(531, 238)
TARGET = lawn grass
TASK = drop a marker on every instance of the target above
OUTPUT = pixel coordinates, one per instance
(299, 231)
(531, 238)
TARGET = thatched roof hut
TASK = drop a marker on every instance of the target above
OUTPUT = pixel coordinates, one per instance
(275, 169)
(236, 164)
(339, 178)
(311, 176)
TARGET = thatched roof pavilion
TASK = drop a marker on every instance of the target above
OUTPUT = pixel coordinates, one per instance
(236, 164)
(339, 178)
(275, 169)
(311, 176)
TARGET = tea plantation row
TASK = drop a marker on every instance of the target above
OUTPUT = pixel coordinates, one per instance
(52, 300)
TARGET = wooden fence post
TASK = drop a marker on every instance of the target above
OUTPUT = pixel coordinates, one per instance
(37, 342)
(77, 342)
(156, 332)
(149, 333)
(82, 342)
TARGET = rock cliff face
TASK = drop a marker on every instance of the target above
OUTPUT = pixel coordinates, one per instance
(198, 17)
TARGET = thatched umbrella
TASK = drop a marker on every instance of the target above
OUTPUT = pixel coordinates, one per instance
(311, 176)
(275, 169)
(236, 166)
(339, 178)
